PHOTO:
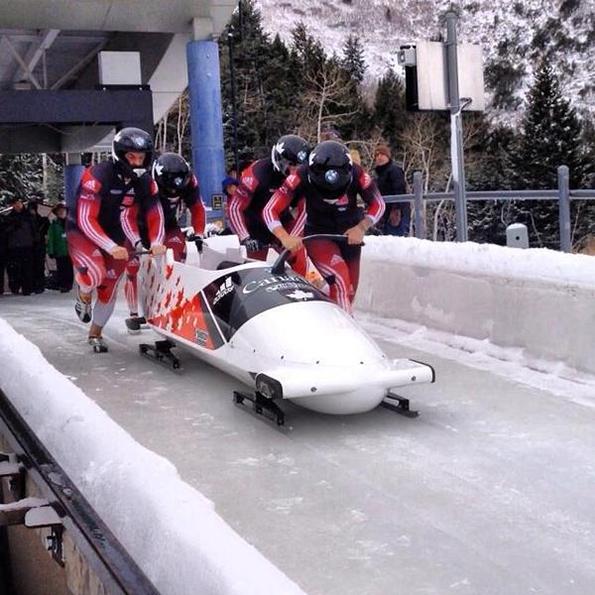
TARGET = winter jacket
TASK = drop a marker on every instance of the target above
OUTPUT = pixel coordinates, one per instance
(41, 226)
(20, 229)
(57, 246)
(3, 238)
(390, 179)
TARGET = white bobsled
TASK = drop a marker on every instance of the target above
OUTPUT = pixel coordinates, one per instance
(269, 328)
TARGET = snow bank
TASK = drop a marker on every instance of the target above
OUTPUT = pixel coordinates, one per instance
(169, 528)
(538, 300)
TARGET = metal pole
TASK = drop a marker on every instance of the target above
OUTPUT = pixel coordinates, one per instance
(420, 219)
(456, 127)
(564, 208)
(206, 119)
(234, 113)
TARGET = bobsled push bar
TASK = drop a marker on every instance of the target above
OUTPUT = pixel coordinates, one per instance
(279, 264)
(160, 351)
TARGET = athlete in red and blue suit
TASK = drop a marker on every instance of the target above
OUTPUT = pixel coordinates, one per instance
(328, 186)
(102, 227)
(177, 187)
(258, 183)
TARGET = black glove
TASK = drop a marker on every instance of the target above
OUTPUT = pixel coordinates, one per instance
(251, 244)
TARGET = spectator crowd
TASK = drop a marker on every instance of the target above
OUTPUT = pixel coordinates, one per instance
(30, 245)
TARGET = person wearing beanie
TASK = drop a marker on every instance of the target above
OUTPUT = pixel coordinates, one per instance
(390, 180)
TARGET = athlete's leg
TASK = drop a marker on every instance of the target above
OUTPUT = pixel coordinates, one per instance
(351, 255)
(88, 261)
(130, 287)
(106, 294)
(89, 266)
(326, 257)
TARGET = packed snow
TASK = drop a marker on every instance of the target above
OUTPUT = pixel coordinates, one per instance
(169, 528)
(532, 264)
(536, 301)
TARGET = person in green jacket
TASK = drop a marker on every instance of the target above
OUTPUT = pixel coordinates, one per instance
(58, 248)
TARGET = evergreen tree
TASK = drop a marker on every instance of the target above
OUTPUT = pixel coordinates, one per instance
(280, 92)
(389, 108)
(491, 167)
(487, 167)
(551, 136)
(353, 59)
(250, 54)
(307, 52)
(20, 175)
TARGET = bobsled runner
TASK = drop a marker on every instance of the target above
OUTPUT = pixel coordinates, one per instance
(271, 329)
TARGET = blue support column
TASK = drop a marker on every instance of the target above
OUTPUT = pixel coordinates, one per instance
(206, 121)
(72, 178)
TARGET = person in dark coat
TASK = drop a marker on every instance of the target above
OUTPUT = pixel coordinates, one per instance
(41, 229)
(20, 231)
(390, 180)
(3, 252)
(57, 248)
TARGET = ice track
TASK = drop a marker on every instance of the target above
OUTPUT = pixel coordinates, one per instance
(490, 491)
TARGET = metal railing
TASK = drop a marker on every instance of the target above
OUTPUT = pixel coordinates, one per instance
(562, 194)
(70, 511)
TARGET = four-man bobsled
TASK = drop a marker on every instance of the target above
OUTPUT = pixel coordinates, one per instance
(269, 328)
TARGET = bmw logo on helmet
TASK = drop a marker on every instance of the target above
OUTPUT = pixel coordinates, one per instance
(302, 156)
(138, 141)
(331, 176)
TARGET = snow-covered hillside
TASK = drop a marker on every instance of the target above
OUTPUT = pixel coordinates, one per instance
(513, 34)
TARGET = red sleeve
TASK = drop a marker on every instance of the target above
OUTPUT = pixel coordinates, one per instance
(371, 196)
(240, 200)
(129, 221)
(297, 227)
(155, 219)
(280, 201)
(87, 213)
(194, 202)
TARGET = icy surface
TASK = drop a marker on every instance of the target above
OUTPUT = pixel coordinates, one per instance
(513, 363)
(169, 528)
(489, 491)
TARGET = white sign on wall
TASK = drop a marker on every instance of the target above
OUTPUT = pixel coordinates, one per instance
(119, 68)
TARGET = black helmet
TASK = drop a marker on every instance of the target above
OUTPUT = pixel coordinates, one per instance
(172, 173)
(330, 166)
(289, 150)
(132, 140)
